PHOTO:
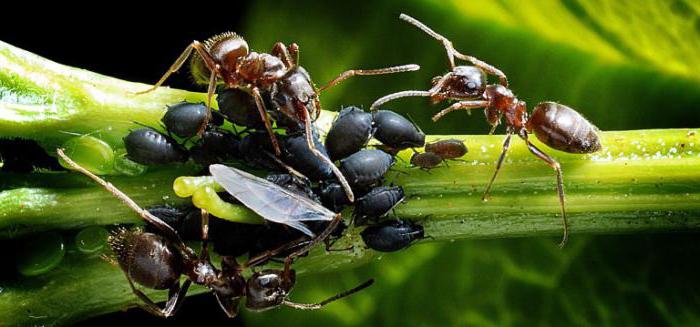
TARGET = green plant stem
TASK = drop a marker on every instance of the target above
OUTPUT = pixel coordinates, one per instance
(642, 181)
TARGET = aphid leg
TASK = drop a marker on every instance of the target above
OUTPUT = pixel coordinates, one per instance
(204, 253)
(393, 96)
(280, 50)
(332, 225)
(506, 145)
(466, 105)
(176, 295)
(310, 142)
(263, 115)
(319, 305)
(367, 72)
(560, 183)
(206, 57)
(452, 52)
(168, 231)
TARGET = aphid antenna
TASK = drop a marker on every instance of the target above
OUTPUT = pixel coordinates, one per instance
(319, 305)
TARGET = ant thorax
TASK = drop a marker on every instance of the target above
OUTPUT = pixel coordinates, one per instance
(258, 68)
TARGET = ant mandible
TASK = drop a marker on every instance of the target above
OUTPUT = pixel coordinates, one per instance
(157, 261)
(277, 75)
(555, 125)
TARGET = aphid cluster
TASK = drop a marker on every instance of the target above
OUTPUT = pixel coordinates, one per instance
(555, 125)
(267, 106)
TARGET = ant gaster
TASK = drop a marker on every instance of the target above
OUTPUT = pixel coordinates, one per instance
(158, 260)
(227, 57)
(556, 125)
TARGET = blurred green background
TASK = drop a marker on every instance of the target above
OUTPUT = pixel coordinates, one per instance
(623, 64)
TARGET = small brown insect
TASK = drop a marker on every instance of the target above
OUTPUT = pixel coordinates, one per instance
(275, 76)
(447, 149)
(556, 125)
(426, 160)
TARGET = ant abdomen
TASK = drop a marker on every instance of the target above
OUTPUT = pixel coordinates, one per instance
(147, 258)
(563, 128)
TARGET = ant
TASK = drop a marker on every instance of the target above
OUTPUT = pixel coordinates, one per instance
(555, 125)
(158, 260)
(277, 75)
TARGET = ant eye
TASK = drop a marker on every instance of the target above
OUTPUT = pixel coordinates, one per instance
(471, 85)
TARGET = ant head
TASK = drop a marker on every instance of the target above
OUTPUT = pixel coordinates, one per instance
(499, 96)
(267, 289)
(464, 82)
(227, 49)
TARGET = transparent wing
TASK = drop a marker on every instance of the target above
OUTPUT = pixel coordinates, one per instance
(269, 200)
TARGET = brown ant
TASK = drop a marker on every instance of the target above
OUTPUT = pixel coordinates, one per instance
(555, 125)
(277, 75)
(157, 262)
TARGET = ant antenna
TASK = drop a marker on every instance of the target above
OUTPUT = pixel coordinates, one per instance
(316, 306)
(452, 52)
(397, 95)
(147, 216)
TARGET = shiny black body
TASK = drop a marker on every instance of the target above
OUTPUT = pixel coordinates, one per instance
(294, 184)
(333, 197)
(186, 119)
(149, 147)
(366, 168)
(349, 133)
(396, 131)
(392, 236)
(216, 146)
(297, 154)
(239, 108)
(256, 149)
(377, 203)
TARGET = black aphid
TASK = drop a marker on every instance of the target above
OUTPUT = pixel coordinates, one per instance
(396, 131)
(149, 147)
(239, 108)
(377, 203)
(297, 154)
(349, 133)
(333, 196)
(186, 119)
(392, 236)
(366, 168)
(216, 146)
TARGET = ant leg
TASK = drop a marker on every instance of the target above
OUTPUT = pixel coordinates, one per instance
(176, 295)
(466, 105)
(367, 72)
(318, 154)
(196, 45)
(319, 305)
(204, 253)
(263, 115)
(287, 167)
(452, 52)
(294, 52)
(147, 216)
(560, 183)
(506, 145)
(280, 50)
(264, 256)
(397, 95)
